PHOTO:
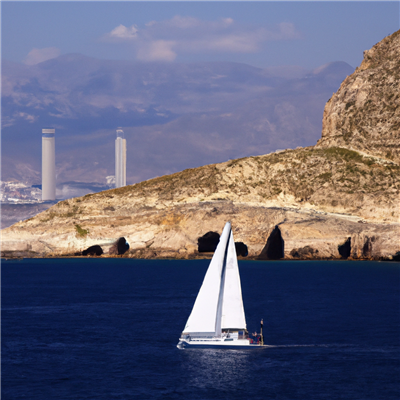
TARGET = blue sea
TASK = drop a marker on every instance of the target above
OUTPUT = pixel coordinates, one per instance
(108, 329)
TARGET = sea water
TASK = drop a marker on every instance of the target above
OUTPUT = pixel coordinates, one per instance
(108, 329)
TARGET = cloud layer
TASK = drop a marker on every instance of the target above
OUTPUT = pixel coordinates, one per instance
(165, 40)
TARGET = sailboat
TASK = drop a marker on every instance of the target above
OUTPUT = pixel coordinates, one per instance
(217, 319)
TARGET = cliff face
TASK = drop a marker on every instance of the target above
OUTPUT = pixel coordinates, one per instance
(338, 199)
(161, 231)
(364, 114)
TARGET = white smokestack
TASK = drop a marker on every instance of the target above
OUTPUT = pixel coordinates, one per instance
(48, 164)
(120, 159)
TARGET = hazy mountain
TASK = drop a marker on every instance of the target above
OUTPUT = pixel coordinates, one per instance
(175, 116)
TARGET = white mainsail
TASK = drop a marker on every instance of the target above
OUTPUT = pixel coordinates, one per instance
(232, 307)
(219, 304)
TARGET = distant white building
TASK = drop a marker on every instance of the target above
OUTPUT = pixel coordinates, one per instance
(110, 180)
(48, 164)
(120, 159)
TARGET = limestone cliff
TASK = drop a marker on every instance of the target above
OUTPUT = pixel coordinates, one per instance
(364, 114)
(173, 231)
(338, 199)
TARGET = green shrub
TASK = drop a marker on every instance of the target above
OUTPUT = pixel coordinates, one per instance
(325, 176)
(81, 232)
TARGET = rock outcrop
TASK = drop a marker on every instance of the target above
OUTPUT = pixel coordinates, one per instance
(364, 114)
(305, 253)
(119, 248)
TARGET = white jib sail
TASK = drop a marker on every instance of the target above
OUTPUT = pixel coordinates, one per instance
(202, 320)
(233, 317)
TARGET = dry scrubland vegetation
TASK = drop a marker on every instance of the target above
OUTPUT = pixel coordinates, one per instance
(333, 177)
(334, 180)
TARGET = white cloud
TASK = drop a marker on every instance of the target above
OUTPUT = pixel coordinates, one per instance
(36, 56)
(28, 117)
(164, 40)
(124, 33)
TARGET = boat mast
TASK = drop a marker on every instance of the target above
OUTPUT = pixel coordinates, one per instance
(218, 327)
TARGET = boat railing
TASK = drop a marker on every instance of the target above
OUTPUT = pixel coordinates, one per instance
(199, 338)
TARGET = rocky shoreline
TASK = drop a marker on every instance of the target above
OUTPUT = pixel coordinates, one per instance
(6, 255)
(174, 232)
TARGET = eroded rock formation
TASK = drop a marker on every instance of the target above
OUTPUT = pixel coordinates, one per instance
(275, 247)
(241, 249)
(208, 242)
(173, 232)
(95, 250)
(305, 253)
(345, 249)
(119, 247)
(364, 114)
(363, 246)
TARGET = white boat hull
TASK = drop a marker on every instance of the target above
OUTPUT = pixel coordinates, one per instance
(217, 319)
(216, 343)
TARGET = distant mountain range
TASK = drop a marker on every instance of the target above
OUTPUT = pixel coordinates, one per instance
(175, 116)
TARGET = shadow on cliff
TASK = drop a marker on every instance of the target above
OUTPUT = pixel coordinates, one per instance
(274, 249)
(209, 242)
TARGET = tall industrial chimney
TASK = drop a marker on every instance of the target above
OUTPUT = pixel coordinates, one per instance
(120, 159)
(48, 164)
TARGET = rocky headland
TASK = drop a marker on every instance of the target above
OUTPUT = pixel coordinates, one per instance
(364, 113)
(338, 199)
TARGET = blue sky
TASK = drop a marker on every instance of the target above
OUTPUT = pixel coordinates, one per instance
(261, 33)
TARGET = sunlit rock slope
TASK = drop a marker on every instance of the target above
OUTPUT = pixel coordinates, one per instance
(364, 114)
